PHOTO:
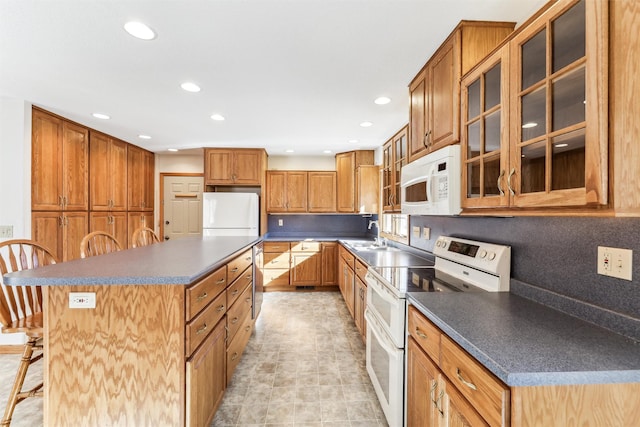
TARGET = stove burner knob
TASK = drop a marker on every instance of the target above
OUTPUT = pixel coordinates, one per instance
(492, 256)
(438, 243)
(483, 253)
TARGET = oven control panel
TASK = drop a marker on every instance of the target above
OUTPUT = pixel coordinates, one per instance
(489, 257)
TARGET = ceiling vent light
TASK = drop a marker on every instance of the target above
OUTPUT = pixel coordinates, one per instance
(190, 87)
(139, 30)
(327, 151)
(382, 100)
(289, 151)
(366, 124)
(144, 137)
(101, 116)
(172, 149)
(217, 117)
(353, 141)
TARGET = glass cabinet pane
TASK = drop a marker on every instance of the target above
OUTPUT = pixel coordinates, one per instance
(568, 99)
(492, 87)
(492, 132)
(491, 174)
(473, 179)
(473, 139)
(568, 36)
(534, 114)
(534, 59)
(533, 167)
(568, 161)
(473, 100)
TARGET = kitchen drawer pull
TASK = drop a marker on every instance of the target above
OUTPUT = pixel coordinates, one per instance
(221, 281)
(201, 329)
(233, 270)
(471, 385)
(234, 320)
(235, 292)
(201, 297)
(248, 277)
(248, 258)
(498, 182)
(248, 299)
(234, 356)
(421, 334)
(247, 328)
(221, 308)
(275, 261)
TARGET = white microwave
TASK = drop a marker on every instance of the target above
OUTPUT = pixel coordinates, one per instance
(430, 185)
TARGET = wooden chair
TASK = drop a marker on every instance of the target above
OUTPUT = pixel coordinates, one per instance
(98, 243)
(21, 311)
(144, 236)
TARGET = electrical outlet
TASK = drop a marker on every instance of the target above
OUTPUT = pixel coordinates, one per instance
(426, 233)
(416, 232)
(280, 223)
(615, 262)
(82, 300)
(6, 231)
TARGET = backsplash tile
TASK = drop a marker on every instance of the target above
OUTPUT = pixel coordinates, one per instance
(320, 226)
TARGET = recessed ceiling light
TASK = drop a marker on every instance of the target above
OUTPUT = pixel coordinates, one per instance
(529, 125)
(353, 141)
(327, 151)
(190, 87)
(217, 117)
(383, 100)
(144, 137)
(289, 151)
(101, 116)
(172, 149)
(561, 145)
(139, 30)
(366, 124)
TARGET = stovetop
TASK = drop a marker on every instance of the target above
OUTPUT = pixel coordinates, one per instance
(420, 279)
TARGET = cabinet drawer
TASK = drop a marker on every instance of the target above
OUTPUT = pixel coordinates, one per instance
(236, 288)
(276, 260)
(237, 345)
(238, 265)
(482, 389)
(276, 277)
(360, 270)
(203, 323)
(426, 334)
(347, 257)
(305, 246)
(276, 247)
(238, 311)
(203, 292)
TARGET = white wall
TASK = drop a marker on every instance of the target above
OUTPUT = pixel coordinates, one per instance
(15, 176)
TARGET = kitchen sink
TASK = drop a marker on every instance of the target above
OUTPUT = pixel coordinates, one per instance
(368, 245)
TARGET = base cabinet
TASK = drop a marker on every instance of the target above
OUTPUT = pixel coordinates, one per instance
(206, 378)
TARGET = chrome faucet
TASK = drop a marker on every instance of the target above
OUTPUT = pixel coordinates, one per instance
(379, 241)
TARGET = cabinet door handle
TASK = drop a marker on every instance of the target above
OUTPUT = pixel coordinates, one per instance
(201, 297)
(471, 385)
(61, 221)
(498, 182)
(513, 171)
(201, 329)
(221, 308)
(234, 356)
(421, 334)
(426, 138)
(60, 202)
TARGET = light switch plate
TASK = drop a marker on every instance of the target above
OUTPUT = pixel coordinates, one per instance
(426, 233)
(6, 231)
(416, 231)
(615, 262)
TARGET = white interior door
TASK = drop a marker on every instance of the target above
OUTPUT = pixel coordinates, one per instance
(182, 206)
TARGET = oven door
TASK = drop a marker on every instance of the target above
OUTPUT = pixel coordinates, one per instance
(385, 365)
(388, 308)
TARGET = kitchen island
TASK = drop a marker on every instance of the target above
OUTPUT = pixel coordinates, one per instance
(132, 356)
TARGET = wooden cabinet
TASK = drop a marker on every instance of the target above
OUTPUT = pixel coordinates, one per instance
(434, 112)
(359, 304)
(60, 231)
(329, 263)
(136, 220)
(355, 195)
(59, 164)
(108, 173)
(224, 166)
(394, 156)
(322, 191)
(286, 191)
(346, 278)
(140, 179)
(422, 382)
(114, 223)
(276, 264)
(306, 264)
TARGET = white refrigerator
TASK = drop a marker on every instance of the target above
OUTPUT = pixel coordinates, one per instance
(230, 214)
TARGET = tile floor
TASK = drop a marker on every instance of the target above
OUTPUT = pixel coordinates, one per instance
(303, 366)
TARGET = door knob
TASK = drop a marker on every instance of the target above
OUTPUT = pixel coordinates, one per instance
(166, 222)
(166, 237)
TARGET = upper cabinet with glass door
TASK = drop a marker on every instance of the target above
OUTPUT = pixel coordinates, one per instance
(558, 108)
(394, 156)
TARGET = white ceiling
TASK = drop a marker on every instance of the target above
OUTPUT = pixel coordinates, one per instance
(287, 74)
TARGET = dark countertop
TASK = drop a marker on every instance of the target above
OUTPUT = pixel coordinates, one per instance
(173, 262)
(528, 344)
